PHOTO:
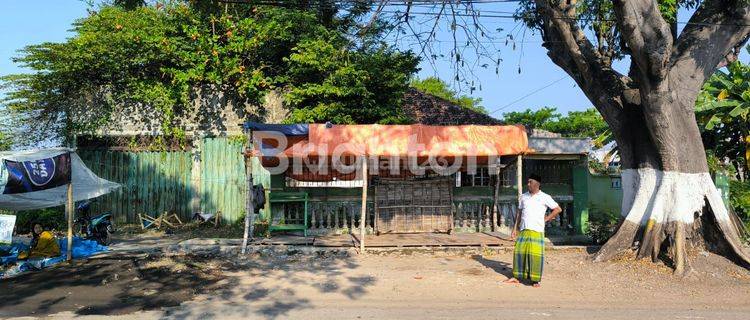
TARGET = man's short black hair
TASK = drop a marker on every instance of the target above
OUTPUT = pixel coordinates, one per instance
(536, 177)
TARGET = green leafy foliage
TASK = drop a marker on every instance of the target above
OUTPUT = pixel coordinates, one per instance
(155, 56)
(538, 119)
(716, 165)
(602, 224)
(439, 88)
(351, 87)
(722, 110)
(739, 198)
(50, 218)
(588, 123)
(6, 141)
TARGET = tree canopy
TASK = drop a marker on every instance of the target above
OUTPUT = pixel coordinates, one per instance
(535, 119)
(155, 56)
(586, 124)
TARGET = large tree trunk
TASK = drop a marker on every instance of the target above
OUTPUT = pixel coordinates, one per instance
(668, 194)
(667, 189)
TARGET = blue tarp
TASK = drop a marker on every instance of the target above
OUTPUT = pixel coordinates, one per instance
(285, 129)
(81, 249)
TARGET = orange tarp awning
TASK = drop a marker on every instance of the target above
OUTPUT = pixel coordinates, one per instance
(397, 141)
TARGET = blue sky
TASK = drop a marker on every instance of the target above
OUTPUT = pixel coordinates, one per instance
(540, 83)
(25, 22)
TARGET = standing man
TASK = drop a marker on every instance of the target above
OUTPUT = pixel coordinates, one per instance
(528, 256)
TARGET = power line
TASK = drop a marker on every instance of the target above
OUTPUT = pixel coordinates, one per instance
(527, 95)
(373, 3)
(477, 14)
(413, 3)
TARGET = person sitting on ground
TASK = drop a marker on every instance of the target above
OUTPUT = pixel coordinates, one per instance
(43, 244)
(528, 256)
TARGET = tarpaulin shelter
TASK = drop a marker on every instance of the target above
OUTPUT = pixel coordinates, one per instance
(86, 184)
(274, 144)
(320, 140)
(36, 179)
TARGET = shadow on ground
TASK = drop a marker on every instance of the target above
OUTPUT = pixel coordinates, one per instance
(125, 284)
(501, 267)
(105, 286)
(271, 300)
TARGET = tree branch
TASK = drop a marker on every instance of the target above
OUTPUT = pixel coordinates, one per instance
(648, 36)
(712, 34)
(375, 15)
(576, 55)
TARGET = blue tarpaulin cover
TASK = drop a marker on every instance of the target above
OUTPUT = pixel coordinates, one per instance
(81, 249)
(286, 129)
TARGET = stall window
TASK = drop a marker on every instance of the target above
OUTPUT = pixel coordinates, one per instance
(481, 178)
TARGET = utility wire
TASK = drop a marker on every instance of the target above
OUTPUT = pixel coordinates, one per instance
(527, 95)
(427, 3)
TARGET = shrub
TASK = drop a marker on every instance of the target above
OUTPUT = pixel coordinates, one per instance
(50, 218)
(739, 198)
(602, 224)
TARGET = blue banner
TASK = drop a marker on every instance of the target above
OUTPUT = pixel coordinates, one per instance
(36, 175)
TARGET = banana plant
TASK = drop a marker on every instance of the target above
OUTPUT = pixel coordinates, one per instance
(722, 108)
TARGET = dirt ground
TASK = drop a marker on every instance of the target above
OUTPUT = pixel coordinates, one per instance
(109, 285)
(414, 285)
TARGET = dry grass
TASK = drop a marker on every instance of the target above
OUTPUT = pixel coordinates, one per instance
(166, 263)
(185, 231)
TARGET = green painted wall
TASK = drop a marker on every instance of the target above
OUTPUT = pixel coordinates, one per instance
(722, 183)
(602, 195)
(580, 199)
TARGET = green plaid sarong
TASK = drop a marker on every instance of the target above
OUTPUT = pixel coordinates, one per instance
(528, 256)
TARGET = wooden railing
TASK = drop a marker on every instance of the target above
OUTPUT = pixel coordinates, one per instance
(342, 217)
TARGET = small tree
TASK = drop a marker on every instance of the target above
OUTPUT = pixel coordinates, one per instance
(534, 119)
(576, 124)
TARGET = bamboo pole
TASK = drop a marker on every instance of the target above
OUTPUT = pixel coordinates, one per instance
(363, 213)
(69, 211)
(250, 197)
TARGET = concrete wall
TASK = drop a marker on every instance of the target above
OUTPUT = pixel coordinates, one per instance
(605, 192)
(211, 112)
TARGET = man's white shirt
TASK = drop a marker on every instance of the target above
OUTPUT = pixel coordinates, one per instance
(533, 209)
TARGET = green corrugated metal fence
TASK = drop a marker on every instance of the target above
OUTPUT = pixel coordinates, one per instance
(151, 182)
(223, 178)
(155, 182)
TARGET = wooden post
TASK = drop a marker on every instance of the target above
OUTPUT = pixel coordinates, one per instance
(250, 198)
(363, 213)
(70, 212)
(195, 173)
(495, 209)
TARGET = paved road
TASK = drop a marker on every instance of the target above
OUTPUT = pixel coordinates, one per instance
(426, 310)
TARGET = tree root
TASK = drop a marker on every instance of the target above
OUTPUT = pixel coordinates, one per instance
(671, 210)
